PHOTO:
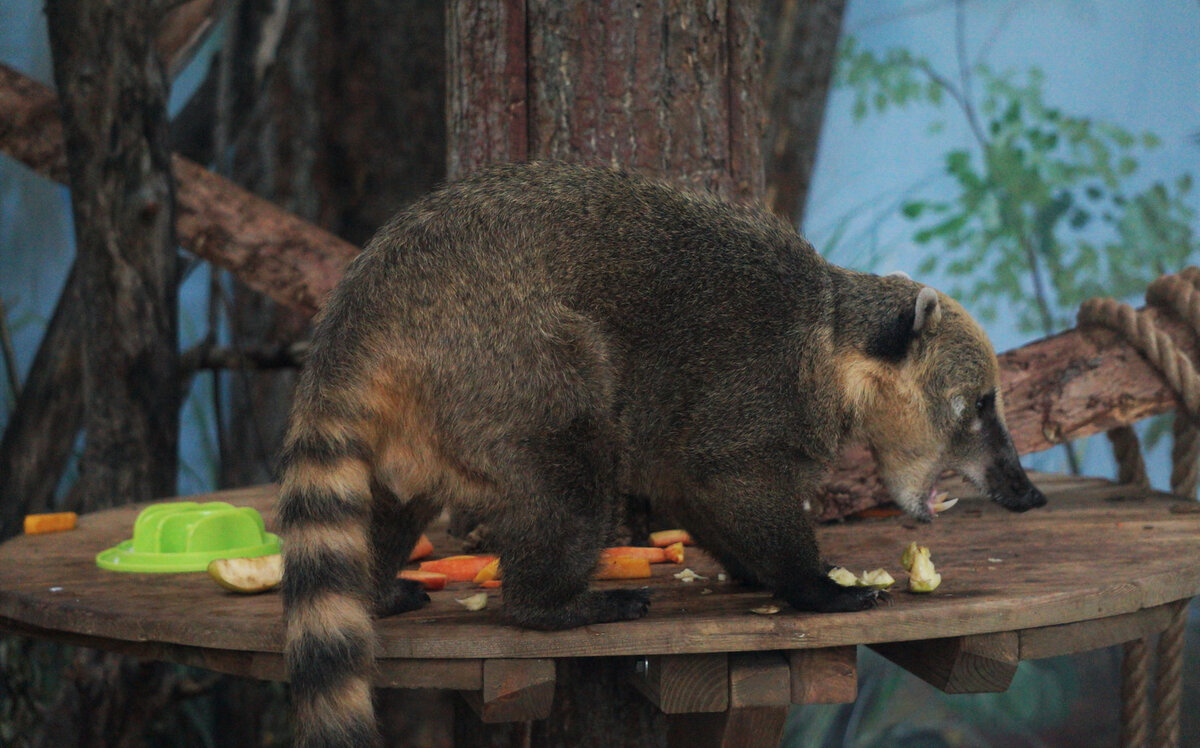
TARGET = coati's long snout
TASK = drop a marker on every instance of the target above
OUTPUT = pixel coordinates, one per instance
(1006, 483)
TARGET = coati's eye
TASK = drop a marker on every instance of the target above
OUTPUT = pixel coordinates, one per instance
(985, 402)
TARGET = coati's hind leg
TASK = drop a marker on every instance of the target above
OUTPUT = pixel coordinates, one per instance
(549, 547)
(769, 541)
(396, 525)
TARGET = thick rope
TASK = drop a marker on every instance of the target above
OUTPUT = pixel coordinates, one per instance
(1135, 692)
(1181, 294)
(1169, 691)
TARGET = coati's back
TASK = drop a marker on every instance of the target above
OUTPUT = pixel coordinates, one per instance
(516, 304)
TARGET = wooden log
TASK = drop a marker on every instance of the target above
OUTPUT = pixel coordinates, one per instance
(981, 663)
(267, 248)
(679, 684)
(514, 690)
(824, 676)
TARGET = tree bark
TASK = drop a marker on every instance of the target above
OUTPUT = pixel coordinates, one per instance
(114, 115)
(670, 89)
(802, 55)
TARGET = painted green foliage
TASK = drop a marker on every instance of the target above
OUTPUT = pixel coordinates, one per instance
(1045, 207)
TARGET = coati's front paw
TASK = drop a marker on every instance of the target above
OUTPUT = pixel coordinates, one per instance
(623, 605)
(823, 595)
(401, 596)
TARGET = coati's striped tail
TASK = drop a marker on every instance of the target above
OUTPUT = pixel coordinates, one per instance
(324, 512)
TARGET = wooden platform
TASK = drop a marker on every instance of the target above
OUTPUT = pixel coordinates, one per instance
(1101, 564)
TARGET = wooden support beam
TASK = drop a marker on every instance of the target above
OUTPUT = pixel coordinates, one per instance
(824, 676)
(759, 696)
(514, 690)
(680, 684)
(983, 663)
(1083, 636)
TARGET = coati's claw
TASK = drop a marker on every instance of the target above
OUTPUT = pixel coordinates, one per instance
(630, 604)
(403, 595)
(823, 595)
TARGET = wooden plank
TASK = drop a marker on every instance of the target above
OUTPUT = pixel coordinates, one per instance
(748, 727)
(679, 684)
(983, 663)
(1001, 572)
(759, 679)
(1083, 636)
(824, 676)
(514, 691)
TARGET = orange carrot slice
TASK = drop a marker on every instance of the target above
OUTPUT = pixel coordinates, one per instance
(489, 572)
(622, 567)
(423, 548)
(490, 584)
(431, 580)
(674, 552)
(458, 568)
(653, 555)
(36, 524)
(663, 538)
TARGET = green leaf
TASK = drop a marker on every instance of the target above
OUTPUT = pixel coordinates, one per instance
(913, 209)
(1126, 166)
(1150, 140)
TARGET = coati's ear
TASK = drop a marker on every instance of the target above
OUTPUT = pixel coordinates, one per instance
(892, 339)
(928, 311)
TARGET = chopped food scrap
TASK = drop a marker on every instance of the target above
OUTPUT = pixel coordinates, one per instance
(423, 548)
(663, 538)
(248, 575)
(36, 524)
(765, 610)
(878, 578)
(431, 580)
(843, 577)
(478, 601)
(458, 568)
(687, 575)
(488, 573)
(922, 577)
(622, 567)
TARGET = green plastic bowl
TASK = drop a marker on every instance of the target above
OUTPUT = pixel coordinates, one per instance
(187, 536)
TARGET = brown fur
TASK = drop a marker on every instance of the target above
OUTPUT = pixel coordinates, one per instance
(539, 342)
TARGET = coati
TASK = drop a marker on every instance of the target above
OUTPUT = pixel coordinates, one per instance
(536, 340)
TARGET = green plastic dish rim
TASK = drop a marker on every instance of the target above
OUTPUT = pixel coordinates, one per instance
(122, 557)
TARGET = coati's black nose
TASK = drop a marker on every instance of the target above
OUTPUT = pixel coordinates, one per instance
(1010, 487)
(1031, 499)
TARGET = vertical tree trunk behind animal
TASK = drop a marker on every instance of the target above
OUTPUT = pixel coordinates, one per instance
(802, 38)
(113, 92)
(665, 87)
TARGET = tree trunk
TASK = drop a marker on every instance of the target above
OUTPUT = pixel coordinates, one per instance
(114, 116)
(802, 54)
(114, 93)
(667, 88)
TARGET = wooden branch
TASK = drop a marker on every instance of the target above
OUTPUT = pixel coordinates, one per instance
(264, 246)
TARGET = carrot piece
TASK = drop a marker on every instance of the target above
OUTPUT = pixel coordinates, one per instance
(653, 555)
(674, 552)
(489, 572)
(53, 522)
(457, 568)
(423, 548)
(622, 567)
(490, 584)
(430, 579)
(663, 538)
